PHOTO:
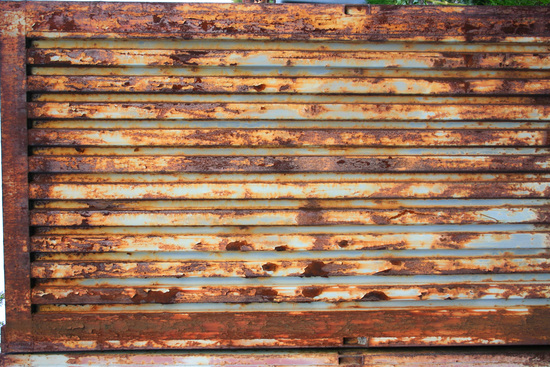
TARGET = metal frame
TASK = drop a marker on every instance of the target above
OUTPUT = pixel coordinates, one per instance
(26, 332)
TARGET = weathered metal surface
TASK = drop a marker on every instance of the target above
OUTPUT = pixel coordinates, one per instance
(493, 324)
(304, 22)
(199, 179)
(523, 357)
(208, 84)
(368, 60)
(16, 335)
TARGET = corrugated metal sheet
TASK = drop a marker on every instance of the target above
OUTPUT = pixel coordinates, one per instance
(264, 176)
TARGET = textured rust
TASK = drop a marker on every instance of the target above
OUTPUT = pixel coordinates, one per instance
(50, 294)
(166, 164)
(16, 335)
(239, 246)
(509, 326)
(312, 292)
(517, 356)
(315, 269)
(287, 138)
(169, 84)
(375, 296)
(248, 176)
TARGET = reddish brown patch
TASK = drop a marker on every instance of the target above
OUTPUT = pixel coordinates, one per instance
(315, 269)
(259, 87)
(267, 294)
(155, 296)
(343, 243)
(312, 292)
(239, 246)
(375, 296)
(270, 267)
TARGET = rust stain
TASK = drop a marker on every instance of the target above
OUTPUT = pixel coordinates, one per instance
(315, 269)
(189, 172)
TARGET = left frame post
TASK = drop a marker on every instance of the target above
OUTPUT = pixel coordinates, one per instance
(17, 333)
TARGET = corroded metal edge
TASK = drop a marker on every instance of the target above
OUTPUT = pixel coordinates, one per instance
(42, 20)
(289, 21)
(524, 325)
(16, 335)
(527, 357)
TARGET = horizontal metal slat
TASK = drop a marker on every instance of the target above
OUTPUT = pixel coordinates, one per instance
(304, 22)
(131, 241)
(277, 111)
(282, 230)
(213, 204)
(294, 99)
(305, 268)
(292, 72)
(365, 85)
(291, 191)
(482, 306)
(264, 137)
(351, 59)
(166, 164)
(224, 152)
(278, 293)
(287, 45)
(306, 216)
(282, 256)
(493, 319)
(284, 177)
(287, 124)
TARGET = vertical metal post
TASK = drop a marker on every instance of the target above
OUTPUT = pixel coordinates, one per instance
(16, 336)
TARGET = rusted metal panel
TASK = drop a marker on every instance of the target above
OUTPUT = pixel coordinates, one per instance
(493, 324)
(208, 84)
(198, 179)
(304, 22)
(524, 357)
(367, 60)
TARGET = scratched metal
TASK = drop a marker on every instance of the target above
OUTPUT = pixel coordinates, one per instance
(198, 178)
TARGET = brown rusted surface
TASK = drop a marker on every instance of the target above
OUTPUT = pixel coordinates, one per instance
(15, 179)
(290, 217)
(493, 357)
(299, 268)
(205, 111)
(286, 138)
(271, 164)
(171, 84)
(153, 330)
(52, 294)
(81, 240)
(287, 58)
(329, 176)
(376, 23)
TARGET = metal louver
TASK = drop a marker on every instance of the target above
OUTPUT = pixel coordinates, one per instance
(263, 176)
